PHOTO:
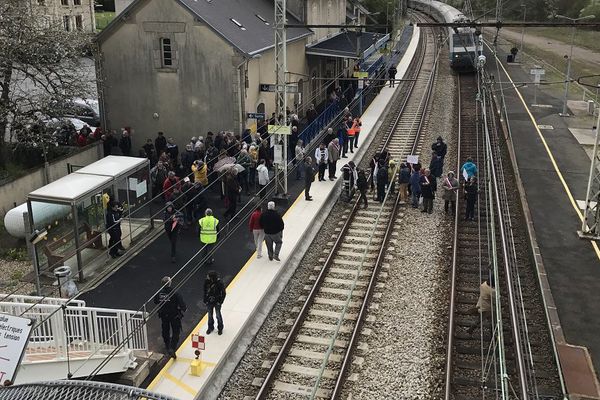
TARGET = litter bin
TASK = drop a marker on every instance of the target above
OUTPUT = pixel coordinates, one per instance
(66, 287)
(510, 58)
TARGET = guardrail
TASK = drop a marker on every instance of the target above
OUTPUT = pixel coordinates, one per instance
(85, 330)
(17, 298)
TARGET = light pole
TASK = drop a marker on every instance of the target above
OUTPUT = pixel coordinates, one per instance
(567, 81)
(524, 7)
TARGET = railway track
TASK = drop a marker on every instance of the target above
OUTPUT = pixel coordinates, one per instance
(317, 351)
(510, 356)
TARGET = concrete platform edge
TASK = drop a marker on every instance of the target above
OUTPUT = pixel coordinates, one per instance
(223, 371)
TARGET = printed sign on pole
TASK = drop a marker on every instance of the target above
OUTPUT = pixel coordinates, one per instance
(280, 129)
(14, 336)
(278, 154)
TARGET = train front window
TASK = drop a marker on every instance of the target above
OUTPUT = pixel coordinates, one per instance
(463, 40)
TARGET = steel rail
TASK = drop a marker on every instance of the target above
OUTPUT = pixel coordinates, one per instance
(507, 270)
(451, 322)
(416, 66)
(372, 282)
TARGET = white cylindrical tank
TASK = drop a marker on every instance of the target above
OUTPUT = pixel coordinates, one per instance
(44, 213)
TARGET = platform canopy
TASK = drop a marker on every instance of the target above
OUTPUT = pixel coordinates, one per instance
(70, 188)
(113, 166)
(343, 45)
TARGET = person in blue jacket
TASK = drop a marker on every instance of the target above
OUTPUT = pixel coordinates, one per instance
(415, 187)
(469, 168)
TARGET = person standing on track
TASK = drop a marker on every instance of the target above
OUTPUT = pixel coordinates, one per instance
(403, 181)
(373, 165)
(440, 148)
(209, 229)
(471, 193)
(382, 180)
(450, 186)
(468, 169)
(484, 303)
(362, 185)
(321, 157)
(415, 186)
(173, 220)
(273, 225)
(214, 296)
(170, 313)
(427, 191)
(309, 178)
(257, 231)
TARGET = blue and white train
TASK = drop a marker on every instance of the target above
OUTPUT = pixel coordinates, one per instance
(464, 44)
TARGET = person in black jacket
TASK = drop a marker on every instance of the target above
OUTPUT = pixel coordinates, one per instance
(113, 227)
(382, 180)
(427, 191)
(440, 147)
(173, 221)
(125, 143)
(362, 185)
(170, 313)
(309, 177)
(273, 226)
(471, 193)
(160, 144)
(214, 296)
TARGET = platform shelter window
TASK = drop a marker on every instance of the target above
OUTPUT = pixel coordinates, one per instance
(166, 50)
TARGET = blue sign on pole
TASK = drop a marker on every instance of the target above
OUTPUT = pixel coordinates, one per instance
(252, 115)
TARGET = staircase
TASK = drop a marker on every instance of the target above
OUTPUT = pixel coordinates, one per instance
(71, 338)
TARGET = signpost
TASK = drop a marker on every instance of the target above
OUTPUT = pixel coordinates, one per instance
(253, 115)
(537, 73)
(271, 87)
(14, 336)
(198, 343)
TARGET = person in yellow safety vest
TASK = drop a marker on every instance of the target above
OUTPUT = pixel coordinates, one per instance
(356, 126)
(209, 229)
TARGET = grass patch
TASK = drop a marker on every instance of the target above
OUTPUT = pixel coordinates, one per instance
(556, 67)
(583, 38)
(103, 18)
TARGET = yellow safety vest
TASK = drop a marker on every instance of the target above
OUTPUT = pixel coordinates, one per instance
(208, 229)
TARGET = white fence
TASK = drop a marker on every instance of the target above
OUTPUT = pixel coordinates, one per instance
(76, 331)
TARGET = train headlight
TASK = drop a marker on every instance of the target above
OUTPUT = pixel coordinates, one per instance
(481, 61)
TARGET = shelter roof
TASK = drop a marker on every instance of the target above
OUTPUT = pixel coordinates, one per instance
(70, 188)
(113, 166)
(344, 44)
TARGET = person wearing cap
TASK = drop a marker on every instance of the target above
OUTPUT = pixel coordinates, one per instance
(209, 229)
(170, 313)
(273, 226)
(173, 220)
(450, 186)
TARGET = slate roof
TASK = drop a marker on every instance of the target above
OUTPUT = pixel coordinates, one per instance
(343, 44)
(255, 32)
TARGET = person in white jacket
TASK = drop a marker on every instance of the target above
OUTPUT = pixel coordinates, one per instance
(263, 178)
(321, 156)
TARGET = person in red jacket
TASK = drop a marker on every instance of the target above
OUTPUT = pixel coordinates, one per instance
(81, 139)
(171, 183)
(257, 230)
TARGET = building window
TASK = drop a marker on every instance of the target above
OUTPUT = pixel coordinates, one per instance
(76, 2)
(166, 52)
(41, 2)
(67, 23)
(79, 22)
(64, 2)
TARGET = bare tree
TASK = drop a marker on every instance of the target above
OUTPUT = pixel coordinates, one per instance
(41, 70)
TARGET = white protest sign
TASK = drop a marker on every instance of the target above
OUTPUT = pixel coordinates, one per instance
(412, 159)
(14, 336)
(465, 175)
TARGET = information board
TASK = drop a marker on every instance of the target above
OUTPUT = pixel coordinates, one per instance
(14, 336)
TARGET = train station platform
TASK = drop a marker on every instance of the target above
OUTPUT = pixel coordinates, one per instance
(553, 167)
(251, 293)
